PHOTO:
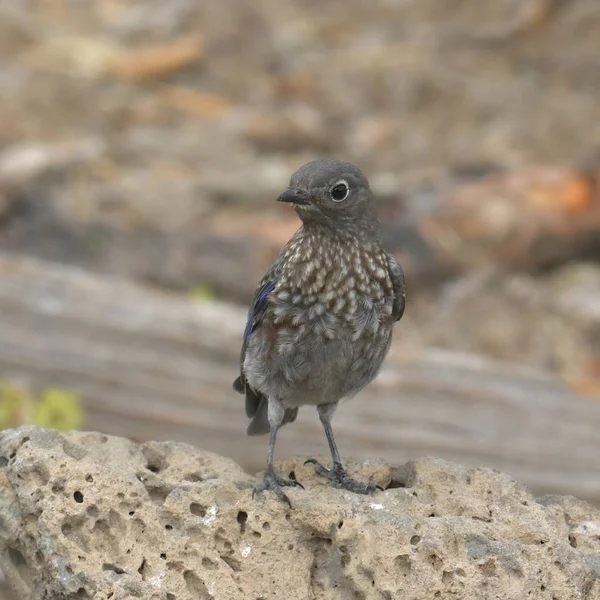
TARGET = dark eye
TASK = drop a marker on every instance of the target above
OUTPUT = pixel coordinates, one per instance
(339, 191)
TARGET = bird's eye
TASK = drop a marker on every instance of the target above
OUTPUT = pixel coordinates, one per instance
(339, 191)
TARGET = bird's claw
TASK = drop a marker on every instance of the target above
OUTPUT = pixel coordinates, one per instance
(271, 482)
(340, 479)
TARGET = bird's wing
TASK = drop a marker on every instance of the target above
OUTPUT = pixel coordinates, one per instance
(255, 314)
(397, 277)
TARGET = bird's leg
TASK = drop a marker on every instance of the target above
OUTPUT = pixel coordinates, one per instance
(337, 474)
(270, 481)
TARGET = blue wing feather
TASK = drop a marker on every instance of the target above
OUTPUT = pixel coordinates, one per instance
(254, 316)
(258, 308)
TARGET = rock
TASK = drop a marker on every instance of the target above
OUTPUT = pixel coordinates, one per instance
(156, 62)
(84, 515)
(21, 164)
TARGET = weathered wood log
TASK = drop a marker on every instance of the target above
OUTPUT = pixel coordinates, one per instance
(152, 365)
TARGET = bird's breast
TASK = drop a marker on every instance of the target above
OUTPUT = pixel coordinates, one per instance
(333, 287)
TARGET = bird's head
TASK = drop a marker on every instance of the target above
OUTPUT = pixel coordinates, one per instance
(331, 192)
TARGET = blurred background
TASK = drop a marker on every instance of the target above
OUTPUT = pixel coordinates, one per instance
(141, 149)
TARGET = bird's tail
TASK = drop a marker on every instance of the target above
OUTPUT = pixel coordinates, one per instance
(260, 419)
(257, 408)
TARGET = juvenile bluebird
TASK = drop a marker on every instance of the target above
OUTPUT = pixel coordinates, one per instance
(320, 324)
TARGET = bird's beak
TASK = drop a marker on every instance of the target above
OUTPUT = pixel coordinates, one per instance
(293, 195)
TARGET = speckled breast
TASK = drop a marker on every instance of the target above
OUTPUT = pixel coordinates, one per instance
(334, 286)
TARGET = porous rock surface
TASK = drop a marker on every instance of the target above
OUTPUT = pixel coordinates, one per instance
(87, 516)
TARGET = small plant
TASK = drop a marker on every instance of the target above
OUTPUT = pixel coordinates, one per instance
(201, 293)
(59, 409)
(54, 407)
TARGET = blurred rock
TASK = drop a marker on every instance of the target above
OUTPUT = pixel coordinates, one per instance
(156, 62)
(525, 219)
(297, 130)
(551, 321)
(22, 164)
(196, 103)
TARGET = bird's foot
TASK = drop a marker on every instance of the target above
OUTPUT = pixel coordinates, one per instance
(271, 482)
(340, 479)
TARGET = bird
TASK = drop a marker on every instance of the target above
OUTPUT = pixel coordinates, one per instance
(320, 322)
